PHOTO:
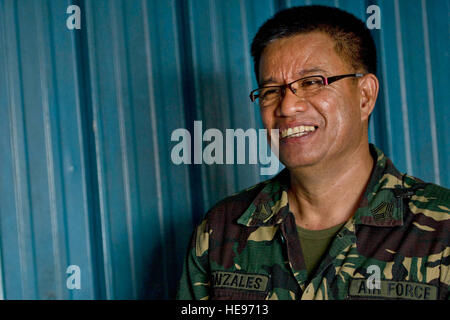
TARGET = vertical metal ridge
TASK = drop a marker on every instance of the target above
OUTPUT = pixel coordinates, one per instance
(403, 88)
(372, 134)
(15, 125)
(431, 109)
(204, 174)
(231, 185)
(178, 63)
(2, 61)
(119, 70)
(248, 70)
(386, 97)
(99, 156)
(190, 98)
(177, 58)
(198, 97)
(78, 79)
(154, 132)
(45, 88)
(21, 189)
(82, 83)
(179, 89)
(248, 66)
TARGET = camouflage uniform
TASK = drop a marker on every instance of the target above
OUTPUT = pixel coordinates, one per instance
(247, 246)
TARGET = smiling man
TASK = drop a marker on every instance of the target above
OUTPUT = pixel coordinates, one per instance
(340, 221)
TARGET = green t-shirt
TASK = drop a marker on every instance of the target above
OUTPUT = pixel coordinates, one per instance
(315, 243)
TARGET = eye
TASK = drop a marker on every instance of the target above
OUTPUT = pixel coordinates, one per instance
(311, 82)
(267, 93)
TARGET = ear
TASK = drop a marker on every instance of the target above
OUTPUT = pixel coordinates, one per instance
(368, 88)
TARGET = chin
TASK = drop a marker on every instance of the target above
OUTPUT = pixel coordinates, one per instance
(297, 162)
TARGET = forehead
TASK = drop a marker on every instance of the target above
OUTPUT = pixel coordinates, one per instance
(291, 57)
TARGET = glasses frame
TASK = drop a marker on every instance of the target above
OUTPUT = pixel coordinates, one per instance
(326, 81)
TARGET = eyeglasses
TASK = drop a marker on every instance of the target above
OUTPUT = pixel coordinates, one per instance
(306, 87)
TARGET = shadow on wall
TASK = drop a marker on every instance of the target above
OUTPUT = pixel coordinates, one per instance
(160, 283)
(219, 105)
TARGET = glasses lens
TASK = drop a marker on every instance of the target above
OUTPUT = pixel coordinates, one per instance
(308, 85)
(268, 95)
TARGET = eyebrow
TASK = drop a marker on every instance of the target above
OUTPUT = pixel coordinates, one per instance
(300, 74)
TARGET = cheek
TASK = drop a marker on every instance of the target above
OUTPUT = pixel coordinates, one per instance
(267, 118)
(338, 112)
(327, 108)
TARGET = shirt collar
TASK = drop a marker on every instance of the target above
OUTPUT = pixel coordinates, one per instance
(381, 205)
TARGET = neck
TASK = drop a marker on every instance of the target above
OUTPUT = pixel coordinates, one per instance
(322, 197)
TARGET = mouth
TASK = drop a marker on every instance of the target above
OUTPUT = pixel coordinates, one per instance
(298, 131)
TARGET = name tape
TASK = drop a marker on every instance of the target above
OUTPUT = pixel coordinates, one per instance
(236, 280)
(394, 290)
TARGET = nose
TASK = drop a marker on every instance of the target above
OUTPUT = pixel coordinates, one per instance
(290, 104)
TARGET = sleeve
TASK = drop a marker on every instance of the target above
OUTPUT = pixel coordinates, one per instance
(194, 283)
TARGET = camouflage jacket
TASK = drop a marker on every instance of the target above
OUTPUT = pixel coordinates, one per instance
(395, 246)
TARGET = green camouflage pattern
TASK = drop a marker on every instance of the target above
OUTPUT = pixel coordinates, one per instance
(247, 245)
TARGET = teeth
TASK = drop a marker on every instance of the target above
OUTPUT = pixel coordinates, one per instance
(298, 134)
(297, 131)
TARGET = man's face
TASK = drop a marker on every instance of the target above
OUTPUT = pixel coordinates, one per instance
(334, 110)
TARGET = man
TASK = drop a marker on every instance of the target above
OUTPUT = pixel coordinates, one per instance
(340, 222)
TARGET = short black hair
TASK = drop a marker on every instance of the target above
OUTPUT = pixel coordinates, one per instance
(353, 41)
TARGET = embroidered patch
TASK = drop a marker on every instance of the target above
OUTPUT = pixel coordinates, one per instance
(263, 211)
(237, 280)
(383, 211)
(394, 290)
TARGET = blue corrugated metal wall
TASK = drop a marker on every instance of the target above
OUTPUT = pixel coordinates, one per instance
(86, 118)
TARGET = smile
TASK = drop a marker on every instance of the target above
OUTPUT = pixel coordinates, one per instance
(297, 131)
